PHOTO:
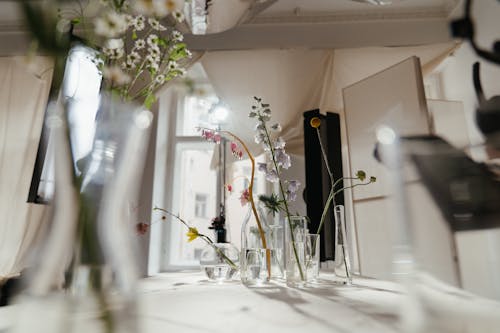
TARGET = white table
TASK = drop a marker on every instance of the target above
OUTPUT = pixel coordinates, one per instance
(188, 302)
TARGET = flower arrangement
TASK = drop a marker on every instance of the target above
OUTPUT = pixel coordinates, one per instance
(278, 159)
(138, 48)
(315, 123)
(360, 176)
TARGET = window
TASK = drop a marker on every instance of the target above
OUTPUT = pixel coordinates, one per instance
(200, 205)
(192, 180)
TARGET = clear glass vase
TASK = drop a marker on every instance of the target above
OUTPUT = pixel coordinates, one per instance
(220, 261)
(90, 248)
(312, 257)
(296, 231)
(342, 264)
(261, 264)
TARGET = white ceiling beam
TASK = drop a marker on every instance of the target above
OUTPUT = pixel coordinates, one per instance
(325, 35)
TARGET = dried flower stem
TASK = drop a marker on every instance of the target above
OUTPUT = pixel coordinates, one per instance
(252, 203)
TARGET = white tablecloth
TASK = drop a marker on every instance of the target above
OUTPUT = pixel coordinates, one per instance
(188, 302)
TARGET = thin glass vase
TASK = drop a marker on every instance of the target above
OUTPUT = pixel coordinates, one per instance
(295, 250)
(260, 265)
(312, 257)
(342, 264)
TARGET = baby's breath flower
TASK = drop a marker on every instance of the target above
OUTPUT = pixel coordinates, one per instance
(155, 24)
(139, 23)
(177, 36)
(179, 16)
(172, 65)
(160, 79)
(152, 40)
(139, 44)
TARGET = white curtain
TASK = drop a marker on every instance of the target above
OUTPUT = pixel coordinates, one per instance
(24, 88)
(294, 81)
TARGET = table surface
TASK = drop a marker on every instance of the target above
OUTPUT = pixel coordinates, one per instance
(188, 302)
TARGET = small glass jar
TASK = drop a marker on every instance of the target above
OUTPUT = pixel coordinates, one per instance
(261, 263)
(219, 261)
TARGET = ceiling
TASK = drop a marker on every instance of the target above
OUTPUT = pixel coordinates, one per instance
(303, 23)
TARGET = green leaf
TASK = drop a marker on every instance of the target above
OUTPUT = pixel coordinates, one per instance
(149, 101)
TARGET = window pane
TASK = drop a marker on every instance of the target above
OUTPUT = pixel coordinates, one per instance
(194, 199)
(195, 113)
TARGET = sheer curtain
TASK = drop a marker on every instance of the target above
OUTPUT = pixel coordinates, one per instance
(297, 80)
(24, 89)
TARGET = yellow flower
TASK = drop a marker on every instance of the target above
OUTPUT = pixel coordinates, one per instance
(192, 234)
(315, 122)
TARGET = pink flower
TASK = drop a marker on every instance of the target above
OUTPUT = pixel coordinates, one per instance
(211, 135)
(245, 197)
(236, 151)
(142, 228)
(229, 188)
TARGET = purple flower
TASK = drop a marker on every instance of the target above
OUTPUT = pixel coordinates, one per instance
(282, 158)
(293, 185)
(272, 176)
(279, 143)
(262, 167)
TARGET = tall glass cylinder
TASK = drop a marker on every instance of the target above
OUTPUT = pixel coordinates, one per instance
(295, 250)
(312, 256)
(342, 266)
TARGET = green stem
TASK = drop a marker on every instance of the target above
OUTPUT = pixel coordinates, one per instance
(282, 191)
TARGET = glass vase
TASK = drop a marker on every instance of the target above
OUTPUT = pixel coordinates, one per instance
(295, 250)
(259, 263)
(90, 252)
(219, 261)
(342, 263)
(312, 257)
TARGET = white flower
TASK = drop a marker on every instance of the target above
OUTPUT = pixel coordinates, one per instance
(177, 36)
(152, 40)
(130, 20)
(139, 23)
(110, 25)
(179, 16)
(139, 44)
(160, 79)
(155, 24)
(115, 76)
(279, 143)
(172, 65)
(154, 51)
(132, 59)
(114, 48)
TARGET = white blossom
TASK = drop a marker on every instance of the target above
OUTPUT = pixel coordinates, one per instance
(177, 36)
(139, 44)
(139, 23)
(152, 40)
(110, 25)
(155, 24)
